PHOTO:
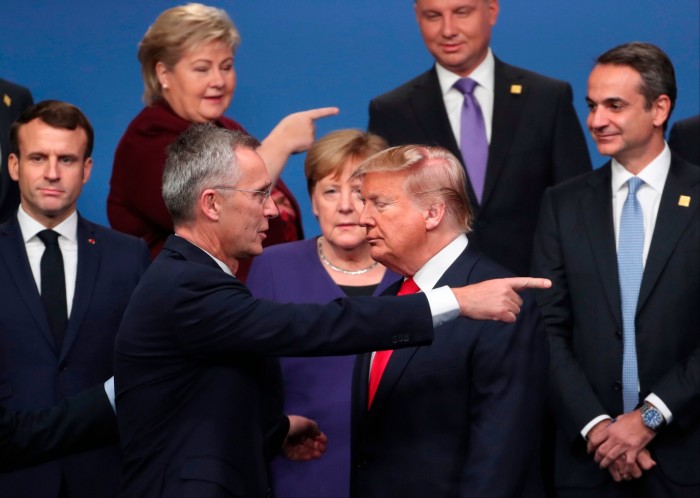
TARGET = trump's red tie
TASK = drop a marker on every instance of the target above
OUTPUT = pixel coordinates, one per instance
(381, 358)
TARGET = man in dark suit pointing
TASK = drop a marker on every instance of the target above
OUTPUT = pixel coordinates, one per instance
(197, 412)
(515, 131)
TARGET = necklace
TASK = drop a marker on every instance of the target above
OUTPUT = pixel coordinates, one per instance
(330, 265)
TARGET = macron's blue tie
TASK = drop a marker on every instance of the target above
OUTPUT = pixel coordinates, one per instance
(630, 268)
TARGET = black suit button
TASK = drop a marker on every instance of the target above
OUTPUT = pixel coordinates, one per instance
(618, 385)
(618, 333)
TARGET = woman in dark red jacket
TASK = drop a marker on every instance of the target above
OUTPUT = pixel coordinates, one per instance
(187, 64)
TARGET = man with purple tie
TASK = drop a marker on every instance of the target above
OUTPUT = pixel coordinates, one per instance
(515, 131)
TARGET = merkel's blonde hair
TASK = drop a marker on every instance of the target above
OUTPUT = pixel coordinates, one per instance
(176, 31)
(434, 175)
(328, 155)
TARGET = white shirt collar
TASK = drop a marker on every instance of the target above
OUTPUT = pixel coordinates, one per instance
(431, 272)
(654, 174)
(68, 228)
(484, 74)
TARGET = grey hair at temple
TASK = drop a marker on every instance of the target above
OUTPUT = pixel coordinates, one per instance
(201, 157)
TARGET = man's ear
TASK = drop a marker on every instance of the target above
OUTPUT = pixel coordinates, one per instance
(13, 167)
(210, 204)
(434, 215)
(662, 108)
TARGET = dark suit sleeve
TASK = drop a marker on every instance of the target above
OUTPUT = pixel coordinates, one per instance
(574, 401)
(78, 423)
(376, 124)
(684, 141)
(569, 150)
(507, 397)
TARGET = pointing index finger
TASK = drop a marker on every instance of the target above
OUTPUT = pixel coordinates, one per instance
(522, 283)
(322, 112)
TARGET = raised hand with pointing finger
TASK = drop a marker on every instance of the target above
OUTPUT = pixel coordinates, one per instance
(294, 133)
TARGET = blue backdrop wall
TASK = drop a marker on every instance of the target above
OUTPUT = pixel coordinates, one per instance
(311, 53)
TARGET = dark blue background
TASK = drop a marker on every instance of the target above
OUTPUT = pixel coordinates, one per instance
(302, 54)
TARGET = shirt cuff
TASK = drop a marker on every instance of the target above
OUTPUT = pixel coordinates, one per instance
(587, 428)
(109, 390)
(443, 305)
(656, 401)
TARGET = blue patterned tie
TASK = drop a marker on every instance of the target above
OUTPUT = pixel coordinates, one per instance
(630, 268)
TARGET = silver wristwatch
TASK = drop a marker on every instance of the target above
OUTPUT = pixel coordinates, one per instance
(651, 416)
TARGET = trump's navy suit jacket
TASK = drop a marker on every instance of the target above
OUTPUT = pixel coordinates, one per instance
(536, 142)
(35, 374)
(460, 417)
(195, 410)
(575, 247)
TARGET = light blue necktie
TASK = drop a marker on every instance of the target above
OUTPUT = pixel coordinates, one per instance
(630, 268)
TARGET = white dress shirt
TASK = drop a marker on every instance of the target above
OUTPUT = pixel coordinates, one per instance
(484, 74)
(67, 241)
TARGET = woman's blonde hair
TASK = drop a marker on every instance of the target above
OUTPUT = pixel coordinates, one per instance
(329, 154)
(176, 31)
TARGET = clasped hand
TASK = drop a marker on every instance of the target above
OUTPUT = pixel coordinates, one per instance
(620, 446)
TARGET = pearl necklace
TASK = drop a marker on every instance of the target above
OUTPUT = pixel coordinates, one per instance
(330, 265)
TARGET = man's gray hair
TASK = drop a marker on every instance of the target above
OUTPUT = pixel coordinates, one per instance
(202, 157)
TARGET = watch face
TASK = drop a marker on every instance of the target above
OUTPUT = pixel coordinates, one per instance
(652, 418)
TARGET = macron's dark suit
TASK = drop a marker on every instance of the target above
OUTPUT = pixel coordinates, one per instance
(575, 247)
(76, 424)
(192, 376)
(34, 375)
(14, 99)
(536, 142)
(460, 417)
(684, 139)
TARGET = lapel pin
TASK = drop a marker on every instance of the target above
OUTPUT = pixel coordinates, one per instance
(684, 201)
(91, 241)
(7, 100)
(516, 89)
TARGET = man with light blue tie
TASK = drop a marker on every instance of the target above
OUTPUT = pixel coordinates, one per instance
(622, 246)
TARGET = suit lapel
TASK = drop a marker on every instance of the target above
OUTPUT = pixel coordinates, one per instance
(507, 108)
(14, 254)
(429, 109)
(89, 252)
(456, 275)
(672, 220)
(596, 209)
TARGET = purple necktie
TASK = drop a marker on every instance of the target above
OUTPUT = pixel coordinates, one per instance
(473, 143)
